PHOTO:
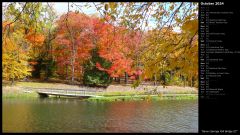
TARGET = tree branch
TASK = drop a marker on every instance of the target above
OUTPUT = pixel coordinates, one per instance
(15, 18)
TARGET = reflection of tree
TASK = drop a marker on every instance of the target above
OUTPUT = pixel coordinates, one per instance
(17, 122)
(122, 116)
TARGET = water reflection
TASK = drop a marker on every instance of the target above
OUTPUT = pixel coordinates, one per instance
(73, 115)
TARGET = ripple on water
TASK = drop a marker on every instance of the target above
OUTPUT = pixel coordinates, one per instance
(68, 115)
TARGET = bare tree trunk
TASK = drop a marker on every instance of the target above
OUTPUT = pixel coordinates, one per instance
(191, 81)
(12, 81)
(126, 78)
(73, 56)
(72, 64)
(66, 71)
(73, 47)
(184, 84)
(46, 72)
(155, 79)
(119, 80)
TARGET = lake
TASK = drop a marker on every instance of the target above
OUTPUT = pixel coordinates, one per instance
(73, 115)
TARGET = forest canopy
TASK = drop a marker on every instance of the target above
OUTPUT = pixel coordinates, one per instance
(138, 41)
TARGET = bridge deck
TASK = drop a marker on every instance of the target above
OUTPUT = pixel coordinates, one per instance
(67, 92)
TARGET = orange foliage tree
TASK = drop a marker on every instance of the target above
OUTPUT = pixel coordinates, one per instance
(116, 44)
(73, 42)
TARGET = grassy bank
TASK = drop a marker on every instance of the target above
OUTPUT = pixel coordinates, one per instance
(20, 95)
(143, 97)
(16, 91)
(112, 93)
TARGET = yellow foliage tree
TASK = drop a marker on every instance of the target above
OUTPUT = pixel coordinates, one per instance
(167, 50)
(14, 59)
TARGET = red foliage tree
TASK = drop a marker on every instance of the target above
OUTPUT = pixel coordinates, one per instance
(116, 44)
(73, 42)
(78, 34)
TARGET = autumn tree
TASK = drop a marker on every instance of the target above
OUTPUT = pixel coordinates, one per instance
(162, 44)
(94, 75)
(45, 60)
(73, 42)
(28, 21)
(14, 57)
(117, 45)
(122, 41)
(173, 52)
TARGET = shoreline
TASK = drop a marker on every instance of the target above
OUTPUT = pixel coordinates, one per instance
(112, 93)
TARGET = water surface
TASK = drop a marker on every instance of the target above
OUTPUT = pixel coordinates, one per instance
(73, 115)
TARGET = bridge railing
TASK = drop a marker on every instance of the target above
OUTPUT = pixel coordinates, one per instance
(67, 91)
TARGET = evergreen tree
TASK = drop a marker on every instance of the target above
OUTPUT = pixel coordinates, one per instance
(92, 75)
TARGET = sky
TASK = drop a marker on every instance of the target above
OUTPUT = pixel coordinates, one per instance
(62, 7)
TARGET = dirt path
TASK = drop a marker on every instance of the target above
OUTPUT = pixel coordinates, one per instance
(171, 89)
(112, 88)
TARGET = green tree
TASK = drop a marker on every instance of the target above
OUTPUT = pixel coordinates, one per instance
(92, 75)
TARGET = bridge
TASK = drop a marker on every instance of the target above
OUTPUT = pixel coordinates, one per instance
(46, 92)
